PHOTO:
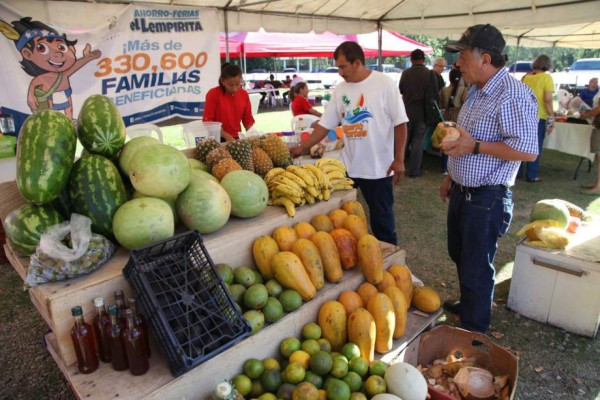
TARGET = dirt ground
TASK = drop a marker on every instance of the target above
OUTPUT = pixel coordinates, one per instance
(553, 363)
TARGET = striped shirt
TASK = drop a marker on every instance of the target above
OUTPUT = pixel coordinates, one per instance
(504, 110)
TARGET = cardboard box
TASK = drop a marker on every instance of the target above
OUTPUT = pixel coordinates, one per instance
(443, 340)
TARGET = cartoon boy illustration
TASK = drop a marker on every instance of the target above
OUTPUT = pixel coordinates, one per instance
(51, 59)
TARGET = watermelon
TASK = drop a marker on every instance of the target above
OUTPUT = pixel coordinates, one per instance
(45, 154)
(25, 225)
(204, 205)
(143, 221)
(551, 209)
(101, 129)
(248, 193)
(97, 191)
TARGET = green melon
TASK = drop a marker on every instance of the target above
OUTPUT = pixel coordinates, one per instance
(197, 164)
(159, 170)
(198, 174)
(204, 205)
(142, 221)
(170, 201)
(248, 193)
(551, 209)
(131, 148)
(25, 225)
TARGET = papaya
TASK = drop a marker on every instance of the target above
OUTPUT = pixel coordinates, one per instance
(366, 290)
(381, 308)
(356, 226)
(362, 331)
(338, 216)
(371, 259)
(351, 301)
(264, 249)
(388, 280)
(346, 244)
(304, 230)
(333, 322)
(289, 271)
(332, 266)
(426, 299)
(355, 208)
(322, 222)
(400, 309)
(403, 278)
(285, 237)
(308, 253)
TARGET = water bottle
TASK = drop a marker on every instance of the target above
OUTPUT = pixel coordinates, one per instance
(299, 127)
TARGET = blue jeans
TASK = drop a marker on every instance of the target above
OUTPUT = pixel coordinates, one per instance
(379, 195)
(475, 222)
(533, 167)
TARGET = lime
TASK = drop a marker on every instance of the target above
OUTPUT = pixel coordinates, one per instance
(273, 310)
(285, 391)
(375, 384)
(339, 368)
(242, 384)
(244, 276)
(288, 346)
(354, 381)
(225, 272)
(311, 346)
(290, 300)
(358, 396)
(256, 296)
(271, 380)
(301, 357)
(321, 363)
(257, 389)
(267, 396)
(271, 363)
(295, 373)
(237, 292)
(378, 368)
(313, 378)
(350, 351)
(359, 365)
(273, 287)
(305, 391)
(311, 330)
(258, 278)
(256, 319)
(253, 368)
(324, 344)
(337, 390)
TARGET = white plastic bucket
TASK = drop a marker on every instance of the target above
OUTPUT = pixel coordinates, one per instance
(195, 131)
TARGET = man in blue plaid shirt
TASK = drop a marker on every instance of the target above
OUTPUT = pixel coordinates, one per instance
(498, 130)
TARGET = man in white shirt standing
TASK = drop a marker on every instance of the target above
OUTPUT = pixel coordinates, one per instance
(369, 108)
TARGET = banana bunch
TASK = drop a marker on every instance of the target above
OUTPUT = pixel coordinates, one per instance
(335, 170)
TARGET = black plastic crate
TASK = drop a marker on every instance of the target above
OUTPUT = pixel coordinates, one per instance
(188, 307)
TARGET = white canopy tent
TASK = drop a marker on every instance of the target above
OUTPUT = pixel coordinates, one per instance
(542, 23)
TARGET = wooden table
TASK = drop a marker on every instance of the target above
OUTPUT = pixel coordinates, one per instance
(572, 139)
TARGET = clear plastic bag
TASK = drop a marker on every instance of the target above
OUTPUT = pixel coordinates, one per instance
(55, 261)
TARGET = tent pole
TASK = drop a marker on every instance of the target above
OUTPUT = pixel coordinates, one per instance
(226, 24)
(379, 45)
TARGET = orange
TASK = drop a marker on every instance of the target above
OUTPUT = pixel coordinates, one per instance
(295, 373)
(288, 346)
(375, 384)
(311, 330)
(321, 363)
(243, 384)
(301, 357)
(337, 390)
(378, 367)
(271, 363)
(253, 368)
(305, 391)
(358, 365)
(310, 346)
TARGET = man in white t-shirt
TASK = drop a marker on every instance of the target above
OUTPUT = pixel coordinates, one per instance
(369, 108)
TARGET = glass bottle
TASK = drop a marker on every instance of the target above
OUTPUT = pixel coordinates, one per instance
(101, 324)
(299, 127)
(135, 346)
(140, 323)
(84, 343)
(115, 333)
(120, 303)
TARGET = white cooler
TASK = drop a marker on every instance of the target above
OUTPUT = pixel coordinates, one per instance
(560, 287)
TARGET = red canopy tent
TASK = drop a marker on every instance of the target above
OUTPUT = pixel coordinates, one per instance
(392, 44)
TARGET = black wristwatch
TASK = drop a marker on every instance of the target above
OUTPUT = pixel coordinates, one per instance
(476, 148)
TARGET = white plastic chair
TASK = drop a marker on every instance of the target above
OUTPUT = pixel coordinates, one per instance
(308, 120)
(134, 131)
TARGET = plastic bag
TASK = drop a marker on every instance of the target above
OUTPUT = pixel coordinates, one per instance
(54, 261)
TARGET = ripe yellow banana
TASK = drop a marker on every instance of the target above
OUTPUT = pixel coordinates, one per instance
(289, 191)
(302, 174)
(332, 168)
(316, 172)
(312, 191)
(309, 199)
(326, 194)
(275, 194)
(342, 187)
(273, 173)
(342, 181)
(287, 203)
(335, 175)
(299, 181)
(286, 181)
(329, 161)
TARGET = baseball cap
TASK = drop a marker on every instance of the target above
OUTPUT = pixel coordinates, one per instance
(483, 36)
(417, 54)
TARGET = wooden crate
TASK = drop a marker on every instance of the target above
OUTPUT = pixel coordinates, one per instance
(199, 382)
(231, 244)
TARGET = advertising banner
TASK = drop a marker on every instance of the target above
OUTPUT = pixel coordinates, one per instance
(153, 61)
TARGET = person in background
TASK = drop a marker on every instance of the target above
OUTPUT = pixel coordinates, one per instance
(299, 98)
(543, 87)
(287, 83)
(229, 104)
(497, 126)
(439, 65)
(416, 84)
(587, 94)
(452, 98)
(295, 80)
(594, 189)
(368, 105)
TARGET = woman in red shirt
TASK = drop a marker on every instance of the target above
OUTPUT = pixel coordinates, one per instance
(229, 104)
(300, 104)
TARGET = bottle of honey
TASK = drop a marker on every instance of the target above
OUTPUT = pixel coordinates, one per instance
(101, 324)
(135, 346)
(84, 343)
(115, 333)
(140, 323)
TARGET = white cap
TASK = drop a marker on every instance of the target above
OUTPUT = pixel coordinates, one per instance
(99, 301)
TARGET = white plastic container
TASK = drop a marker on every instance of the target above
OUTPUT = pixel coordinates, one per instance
(195, 131)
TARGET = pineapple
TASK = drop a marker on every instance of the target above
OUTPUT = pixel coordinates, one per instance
(215, 156)
(277, 150)
(204, 147)
(262, 162)
(241, 151)
(224, 167)
(254, 141)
